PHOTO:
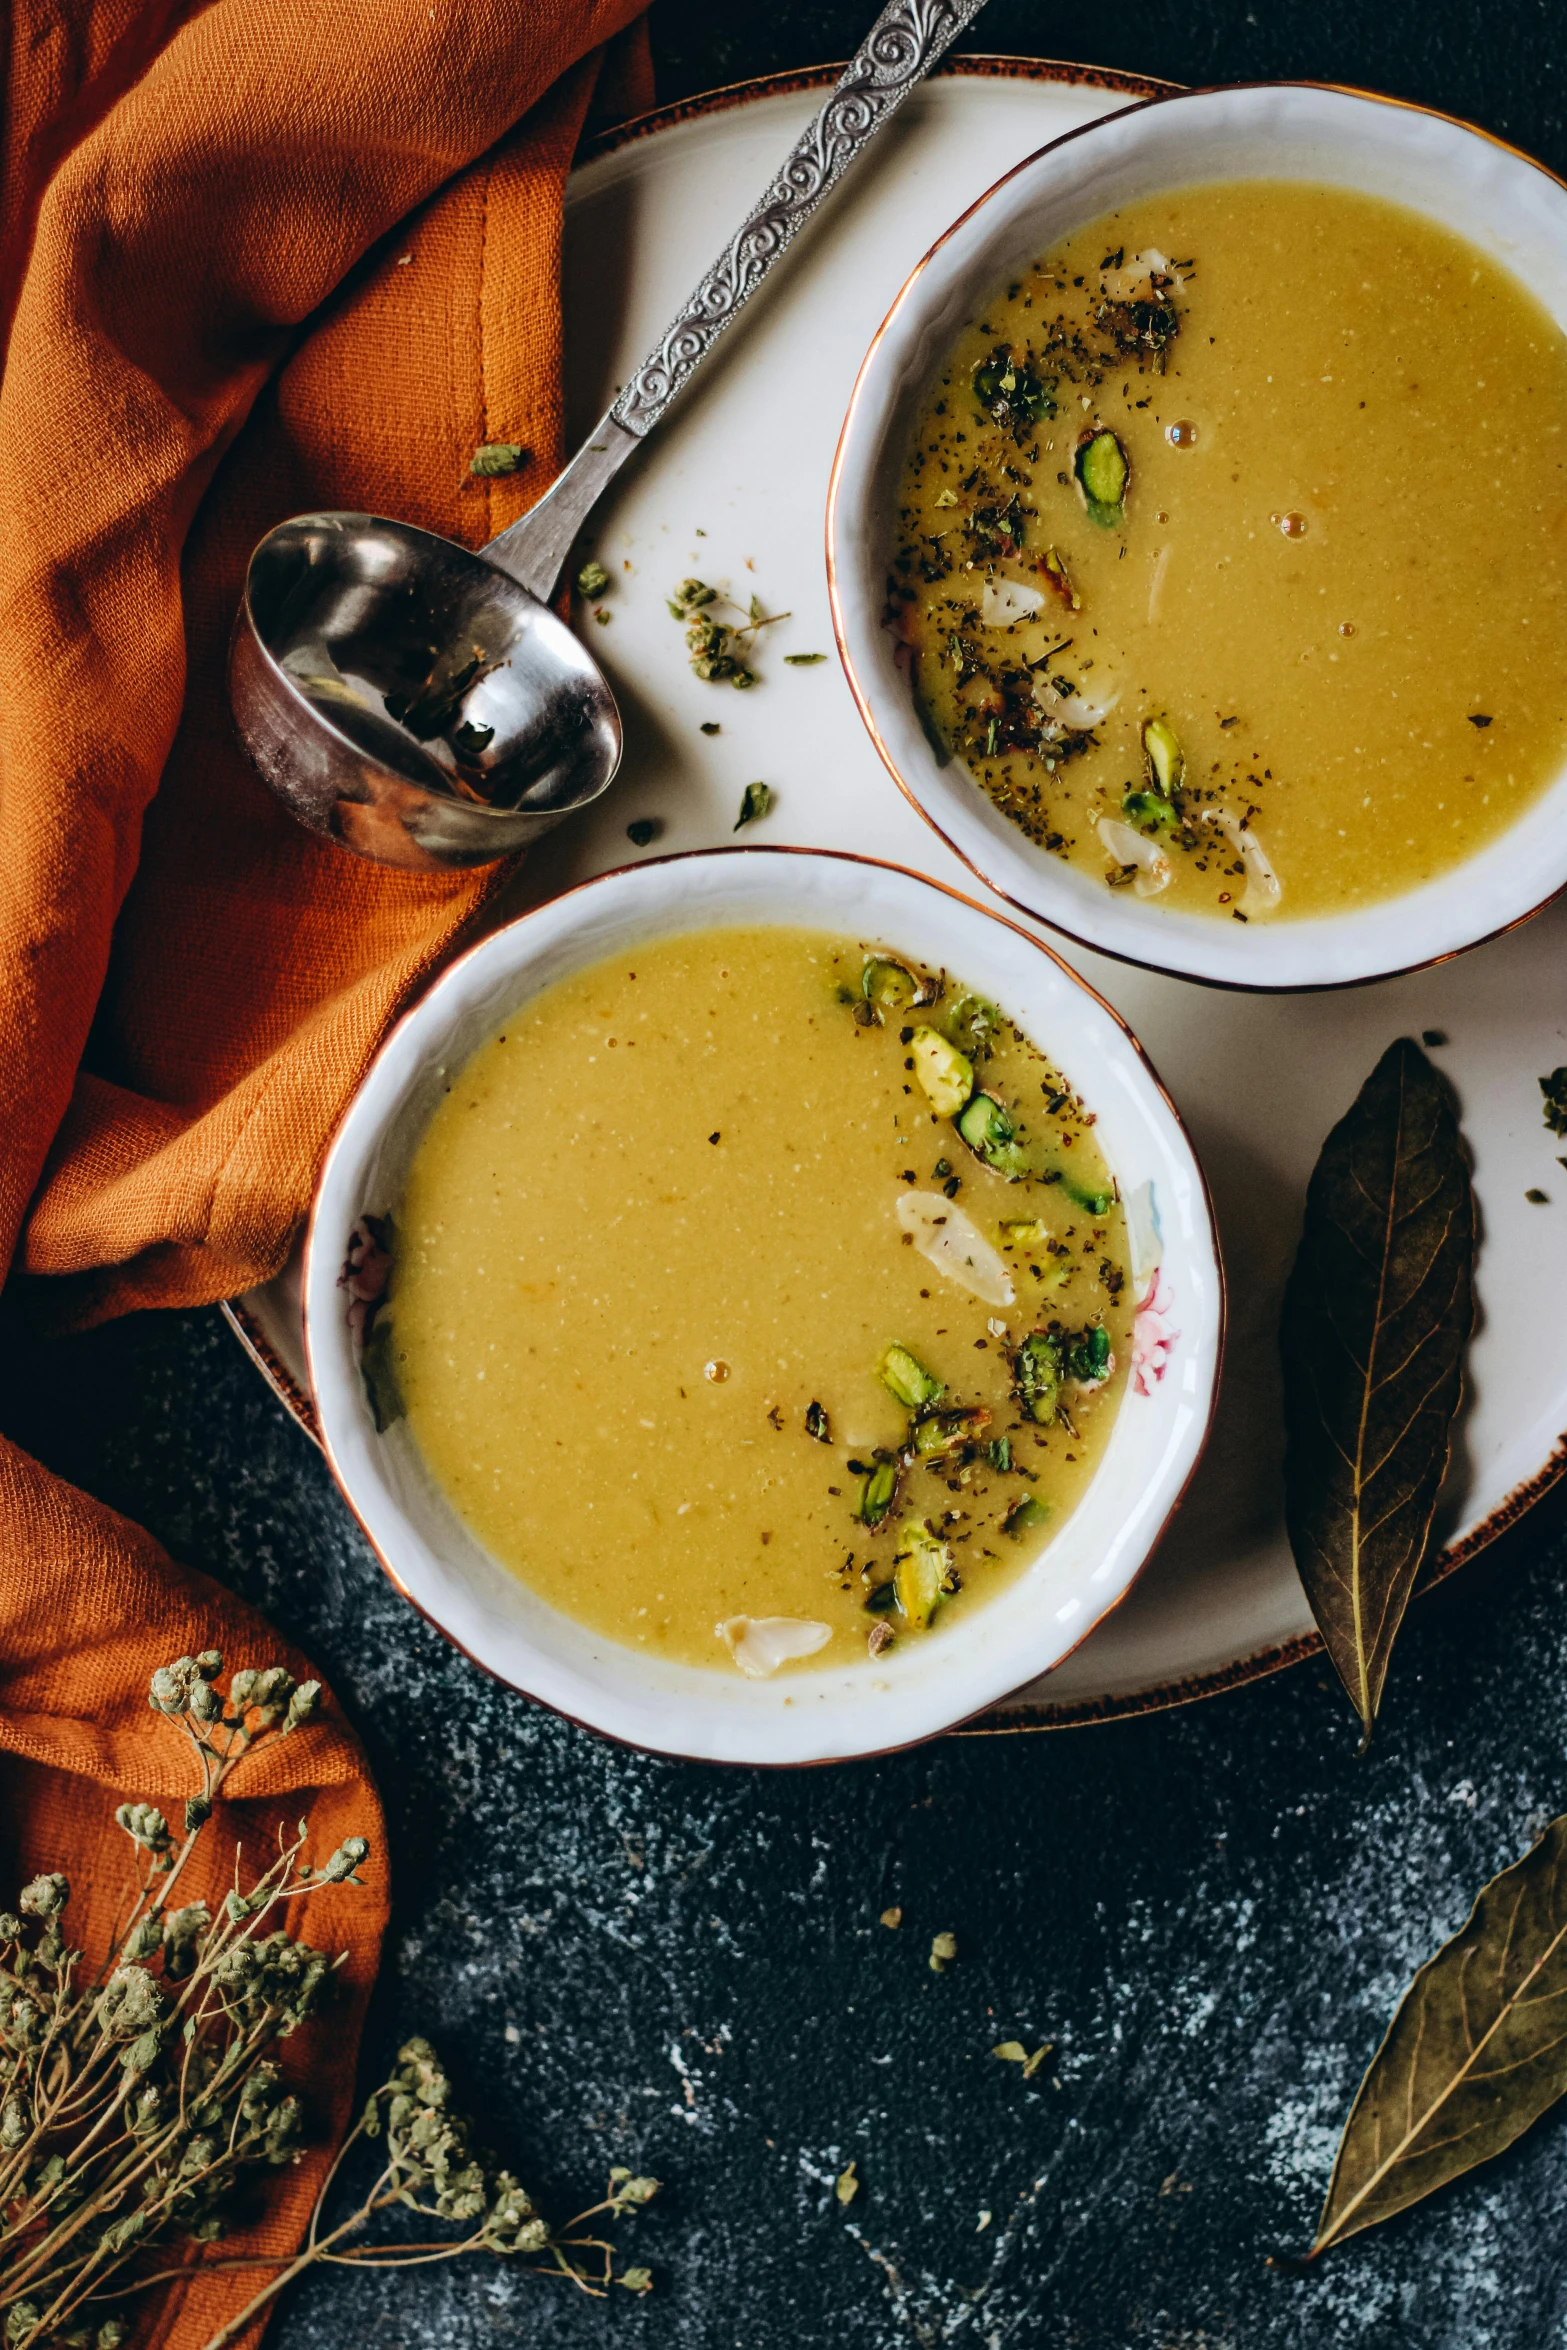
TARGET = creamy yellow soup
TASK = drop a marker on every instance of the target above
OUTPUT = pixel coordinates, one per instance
(717, 1331)
(1233, 550)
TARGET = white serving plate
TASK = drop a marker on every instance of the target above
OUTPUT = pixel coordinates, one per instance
(865, 1705)
(1259, 1079)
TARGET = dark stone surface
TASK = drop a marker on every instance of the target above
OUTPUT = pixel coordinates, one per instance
(1209, 1913)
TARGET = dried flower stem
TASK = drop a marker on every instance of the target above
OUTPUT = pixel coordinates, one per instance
(131, 2102)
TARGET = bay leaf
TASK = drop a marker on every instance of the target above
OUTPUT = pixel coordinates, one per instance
(1475, 2053)
(1376, 1315)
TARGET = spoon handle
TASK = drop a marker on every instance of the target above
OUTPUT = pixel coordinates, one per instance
(897, 53)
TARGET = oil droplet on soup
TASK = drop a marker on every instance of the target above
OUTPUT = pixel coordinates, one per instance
(702, 1337)
(1175, 450)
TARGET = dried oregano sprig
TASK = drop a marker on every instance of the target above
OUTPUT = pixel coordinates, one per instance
(132, 2101)
(431, 2167)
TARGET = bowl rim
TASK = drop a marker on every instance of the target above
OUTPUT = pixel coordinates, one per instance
(1055, 922)
(316, 1240)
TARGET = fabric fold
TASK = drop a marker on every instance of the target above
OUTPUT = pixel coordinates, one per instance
(255, 261)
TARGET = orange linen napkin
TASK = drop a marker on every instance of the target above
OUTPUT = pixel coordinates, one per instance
(254, 260)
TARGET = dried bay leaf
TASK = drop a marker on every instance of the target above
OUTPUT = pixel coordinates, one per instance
(1475, 2053)
(1376, 1315)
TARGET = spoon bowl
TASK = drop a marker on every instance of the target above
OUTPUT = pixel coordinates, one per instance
(422, 704)
(409, 699)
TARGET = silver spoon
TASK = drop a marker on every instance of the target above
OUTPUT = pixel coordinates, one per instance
(422, 704)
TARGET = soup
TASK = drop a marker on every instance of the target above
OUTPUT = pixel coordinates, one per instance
(1232, 550)
(759, 1295)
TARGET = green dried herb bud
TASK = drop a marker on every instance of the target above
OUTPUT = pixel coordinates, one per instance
(141, 2054)
(304, 1705)
(10, 1925)
(637, 2191)
(592, 579)
(275, 1686)
(131, 2002)
(167, 1694)
(496, 458)
(691, 594)
(45, 1897)
(20, 2320)
(112, 2334)
(198, 1811)
(239, 1964)
(242, 1688)
(144, 1939)
(182, 1931)
(344, 1860)
(205, 1703)
(636, 2280)
(124, 2232)
(145, 1825)
(532, 2236)
(147, 2111)
(209, 1661)
(237, 1907)
(13, 2123)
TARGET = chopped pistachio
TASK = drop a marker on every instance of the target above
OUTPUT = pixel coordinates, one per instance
(906, 1377)
(817, 1423)
(946, 1076)
(755, 801)
(888, 985)
(1027, 1232)
(592, 579)
(1036, 1372)
(1166, 760)
(1024, 1516)
(878, 1492)
(991, 1136)
(1104, 472)
(923, 1575)
(945, 1432)
(999, 1454)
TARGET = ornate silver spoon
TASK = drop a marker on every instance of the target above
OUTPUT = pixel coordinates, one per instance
(422, 704)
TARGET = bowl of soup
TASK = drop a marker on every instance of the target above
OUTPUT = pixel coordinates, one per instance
(763, 1306)
(1198, 536)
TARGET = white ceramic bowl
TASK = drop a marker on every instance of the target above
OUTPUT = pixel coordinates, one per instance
(923, 1686)
(1511, 208)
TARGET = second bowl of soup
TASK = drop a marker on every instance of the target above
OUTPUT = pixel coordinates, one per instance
(1199, 536)
(763, 1306)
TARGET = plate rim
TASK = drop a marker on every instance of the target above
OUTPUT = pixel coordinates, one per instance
(1041, 1715)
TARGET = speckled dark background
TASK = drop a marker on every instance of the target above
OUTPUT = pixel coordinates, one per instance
(1208, 1912)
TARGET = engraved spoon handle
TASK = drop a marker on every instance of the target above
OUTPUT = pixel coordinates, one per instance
(897, 53)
